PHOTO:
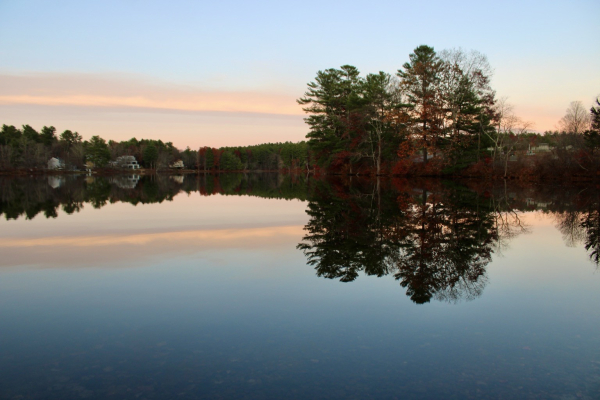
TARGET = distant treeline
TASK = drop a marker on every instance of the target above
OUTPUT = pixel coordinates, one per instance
(28, 148)
(262, 157)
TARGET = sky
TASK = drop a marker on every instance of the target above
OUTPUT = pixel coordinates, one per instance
(228, 73)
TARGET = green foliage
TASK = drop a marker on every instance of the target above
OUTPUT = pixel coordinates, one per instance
(334, 100)
(31, 134)
(150, 155)
(595, 116)
(230, 162)
(68, 137)
(27, 147)
(97, 151)
(262, 157)
(210, 159)
(9, 135)
(48, 136)
(439, 105)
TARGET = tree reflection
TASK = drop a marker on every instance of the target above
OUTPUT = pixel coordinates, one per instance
(435, 241)
(435, 238)
(580, 223)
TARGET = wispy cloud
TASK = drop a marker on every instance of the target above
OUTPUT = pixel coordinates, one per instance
(108, 90)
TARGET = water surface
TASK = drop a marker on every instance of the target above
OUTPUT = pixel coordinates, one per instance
(268, 286)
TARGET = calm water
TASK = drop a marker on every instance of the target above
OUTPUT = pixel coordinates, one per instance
(266, 287)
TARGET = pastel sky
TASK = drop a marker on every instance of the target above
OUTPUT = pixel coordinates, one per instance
(228, 73)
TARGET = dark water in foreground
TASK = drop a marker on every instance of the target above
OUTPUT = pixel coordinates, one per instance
(266, 287)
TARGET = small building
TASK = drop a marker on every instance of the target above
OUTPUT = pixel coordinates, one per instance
(89, 166)
(177, 165)
(542, 148)
(56, 164)
(125, 162)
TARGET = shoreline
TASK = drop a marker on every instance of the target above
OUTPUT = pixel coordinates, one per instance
(589, 178)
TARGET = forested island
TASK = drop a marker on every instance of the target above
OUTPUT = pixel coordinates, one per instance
(436, 116)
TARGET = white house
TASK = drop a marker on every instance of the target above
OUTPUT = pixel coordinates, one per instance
(55, 163)
(126, 162)
(177, 165)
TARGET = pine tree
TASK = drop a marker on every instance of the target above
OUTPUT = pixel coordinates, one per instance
(420, 78)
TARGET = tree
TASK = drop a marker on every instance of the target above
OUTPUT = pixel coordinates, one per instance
(31, 134)
(381, 100)
(97, 151)
(467, 99)
(48, 135)
(9, 135)
(332, 99)
(595, 116)
(209, 162)
(230, 162)
(150, 155)
(591, 137)
(68, 137)
(576, 119)
(420, 78)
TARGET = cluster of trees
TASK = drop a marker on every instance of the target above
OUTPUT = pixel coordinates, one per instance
(28, 148)
(571, 152)
(437, 115)
(263, 157)
(154, 154)
(438, 107)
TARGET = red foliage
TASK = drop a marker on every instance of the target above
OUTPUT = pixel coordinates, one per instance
(217, 158)
(482, 168)
(340, 160)
(402, 167)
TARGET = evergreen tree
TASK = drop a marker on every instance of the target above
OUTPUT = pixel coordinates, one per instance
(331, 100)
(420, 78)
(48, 135)
(31, 134)
(150, 155)
(97, 151)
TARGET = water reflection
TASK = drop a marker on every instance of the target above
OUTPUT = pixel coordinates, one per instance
(580, 223)
(435, 238)
(206, 295)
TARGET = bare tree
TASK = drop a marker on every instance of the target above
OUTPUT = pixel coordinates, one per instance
(576, 120)
(569, 223)
(464, 74)
(504, 122)
(510, 131)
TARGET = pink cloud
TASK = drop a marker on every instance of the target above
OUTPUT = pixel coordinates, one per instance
(131, 92)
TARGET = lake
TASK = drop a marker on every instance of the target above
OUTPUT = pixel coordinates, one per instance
(272, 286)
